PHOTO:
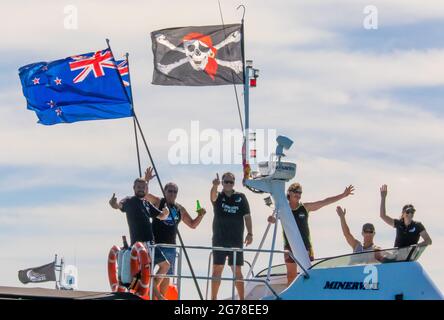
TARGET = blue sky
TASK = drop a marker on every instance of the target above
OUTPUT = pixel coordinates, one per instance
(363, 107)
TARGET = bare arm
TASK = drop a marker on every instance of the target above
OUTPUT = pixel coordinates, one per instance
(114, 203)
(345, 229)
(213, 192)
(382, 212)
(249, 225)
(427, 240)
(153, 199)
(149, 175)
(313, 206)
(190, 222)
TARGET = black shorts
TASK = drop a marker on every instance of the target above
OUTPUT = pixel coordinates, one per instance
(289, 259)
(219, 257)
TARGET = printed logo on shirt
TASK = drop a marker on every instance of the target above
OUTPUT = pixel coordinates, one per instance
(169, 221)
(229, 209)
(412, 230)
(238, 200)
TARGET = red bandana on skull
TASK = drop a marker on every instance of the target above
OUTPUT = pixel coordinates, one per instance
(211, 64)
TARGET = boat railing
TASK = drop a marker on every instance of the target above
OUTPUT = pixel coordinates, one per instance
(233, 279)
(377, 256)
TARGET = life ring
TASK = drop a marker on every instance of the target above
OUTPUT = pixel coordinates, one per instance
(140, 269)
(114, 282)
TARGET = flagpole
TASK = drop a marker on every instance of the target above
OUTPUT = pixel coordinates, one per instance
(134, 120)
(130, 98)
(246, 78)
(172, 218)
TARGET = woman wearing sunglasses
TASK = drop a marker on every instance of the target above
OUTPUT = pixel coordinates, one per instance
(301, 213)
(408, 231)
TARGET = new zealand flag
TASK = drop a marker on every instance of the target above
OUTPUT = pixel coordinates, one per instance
(78, 88)
(198, 56)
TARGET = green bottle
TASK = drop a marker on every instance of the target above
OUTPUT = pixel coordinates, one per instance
(198, 207)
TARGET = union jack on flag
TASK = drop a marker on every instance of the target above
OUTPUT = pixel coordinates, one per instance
(94, 63)
(122, 66)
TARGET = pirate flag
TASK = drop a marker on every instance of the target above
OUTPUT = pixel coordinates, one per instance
(198, 56)
(38, 274)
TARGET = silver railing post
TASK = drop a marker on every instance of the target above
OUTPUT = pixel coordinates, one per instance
(210, 256)
(273, 244)
(234, 274)
(153, 252)
(179, 273)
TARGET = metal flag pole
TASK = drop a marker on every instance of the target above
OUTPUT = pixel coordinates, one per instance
(246, 80)
(55, 269)
(130, 98)
(134, 120)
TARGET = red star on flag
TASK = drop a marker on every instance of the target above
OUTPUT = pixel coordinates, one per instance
(51, 103)
(59, 112)
(36, 80)
(58, 81)
(44, 68)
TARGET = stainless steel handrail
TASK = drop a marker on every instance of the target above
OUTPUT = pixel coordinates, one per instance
(222, 279)
(233, 278)
(237, 249)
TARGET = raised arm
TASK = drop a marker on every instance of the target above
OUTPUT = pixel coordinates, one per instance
(149, 175)
(382, 211)
(213, 192)
(114, 203)
(190, 222)
(313, 206)
(345, 229)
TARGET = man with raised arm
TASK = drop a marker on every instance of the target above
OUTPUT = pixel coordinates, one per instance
(139, 213)
(231, 215)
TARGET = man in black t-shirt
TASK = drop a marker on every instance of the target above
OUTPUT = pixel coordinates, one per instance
(165, 231)
(408, 231)
(231, 210)
(139, 213)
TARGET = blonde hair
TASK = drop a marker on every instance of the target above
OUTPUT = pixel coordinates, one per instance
(294, 186)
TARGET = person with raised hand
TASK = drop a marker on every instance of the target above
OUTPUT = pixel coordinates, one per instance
(165, 231)
(408, 231)
(231, 216)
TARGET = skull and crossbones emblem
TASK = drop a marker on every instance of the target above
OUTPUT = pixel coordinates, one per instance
(200, 53)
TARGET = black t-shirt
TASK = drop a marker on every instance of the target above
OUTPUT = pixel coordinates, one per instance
(165, 231)
(301, 217)
(407, 235)
(228, 221)
(138, 213)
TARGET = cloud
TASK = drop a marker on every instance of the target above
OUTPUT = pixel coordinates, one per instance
(345, 108)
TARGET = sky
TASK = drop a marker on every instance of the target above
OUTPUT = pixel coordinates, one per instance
(363, 107)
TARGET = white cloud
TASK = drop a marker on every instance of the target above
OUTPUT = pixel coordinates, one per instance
(327, 99)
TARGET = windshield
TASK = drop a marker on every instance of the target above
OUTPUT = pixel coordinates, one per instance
(411, 253)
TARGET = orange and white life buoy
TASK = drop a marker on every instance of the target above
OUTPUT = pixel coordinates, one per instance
(140, 267)
(116, 286)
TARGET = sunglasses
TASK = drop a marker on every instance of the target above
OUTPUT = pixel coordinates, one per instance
(369, 231)
(296, 191)
(228, 182)
(172, 191)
